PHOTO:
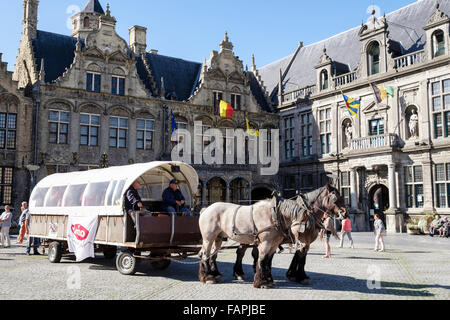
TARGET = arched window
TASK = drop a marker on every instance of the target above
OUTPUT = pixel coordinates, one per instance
(86, 22)
(324, 80)
(438, 43)
(373, 52)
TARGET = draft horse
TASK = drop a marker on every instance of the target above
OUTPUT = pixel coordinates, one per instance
(265, 223)
(316, 203)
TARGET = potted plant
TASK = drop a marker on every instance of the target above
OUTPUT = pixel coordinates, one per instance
(413, 227)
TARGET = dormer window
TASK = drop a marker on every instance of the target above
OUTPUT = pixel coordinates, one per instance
(373, 53)
(324, 80)
(438, 43)
(86, 22)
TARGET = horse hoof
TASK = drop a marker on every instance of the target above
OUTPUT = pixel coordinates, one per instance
(210, 282)
(267, 286)
(239, 278)
(305, 282)
(218, 278)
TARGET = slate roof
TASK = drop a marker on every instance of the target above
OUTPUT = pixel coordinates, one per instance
(93, 6)
(180, 76)
(58, 52)
(405, 28)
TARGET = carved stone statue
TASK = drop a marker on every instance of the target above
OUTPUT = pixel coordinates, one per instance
(414, 124)
(348, 133)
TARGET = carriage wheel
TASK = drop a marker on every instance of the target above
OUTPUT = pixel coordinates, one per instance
(126, 263)
(160, 264)
(55, 252)
(109, 252)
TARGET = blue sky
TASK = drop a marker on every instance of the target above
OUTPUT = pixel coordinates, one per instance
(192, 29)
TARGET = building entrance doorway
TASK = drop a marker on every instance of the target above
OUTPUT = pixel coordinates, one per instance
(378, 202)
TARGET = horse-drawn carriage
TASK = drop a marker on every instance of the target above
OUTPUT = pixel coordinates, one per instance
(155, 235)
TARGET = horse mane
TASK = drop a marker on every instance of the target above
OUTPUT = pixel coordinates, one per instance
(291, 209)
(312, 196)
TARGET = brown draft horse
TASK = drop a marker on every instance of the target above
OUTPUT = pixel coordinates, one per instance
(325, 199)
(266, 223)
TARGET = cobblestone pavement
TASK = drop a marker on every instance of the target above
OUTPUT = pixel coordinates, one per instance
(413, 267)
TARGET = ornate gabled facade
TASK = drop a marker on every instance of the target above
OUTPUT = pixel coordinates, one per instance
(101, 101)
(393, 157)
(16, 117)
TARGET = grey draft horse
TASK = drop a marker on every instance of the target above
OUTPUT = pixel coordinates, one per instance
(266, 223)
(325, 199)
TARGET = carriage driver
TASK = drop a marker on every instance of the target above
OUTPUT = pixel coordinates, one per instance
(173, 200)
(133, 200)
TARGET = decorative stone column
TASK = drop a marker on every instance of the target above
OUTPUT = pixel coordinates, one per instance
(353, 190)
(394, 217)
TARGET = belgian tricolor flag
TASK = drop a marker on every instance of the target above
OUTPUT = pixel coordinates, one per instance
(226, 110)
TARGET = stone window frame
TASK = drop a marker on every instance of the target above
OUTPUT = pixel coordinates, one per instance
(439, 98)
(439, 44)
(147, 144)
(236, 101)
(324, 79)
(370, 58)
(92, 85)
(325, 130)
(58, 168)
(90, 126)
(6, 186)
(87, 167)
(413, 184)
(119, 88)
(217, 97)
(118, 129)
(307, 136)
(8, 131)
(369, 127)
(289, 137)
(442, 185)
(346, 187)
(60, 124)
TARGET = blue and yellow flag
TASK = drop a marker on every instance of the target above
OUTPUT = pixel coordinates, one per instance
(174, 123)
(352, 105)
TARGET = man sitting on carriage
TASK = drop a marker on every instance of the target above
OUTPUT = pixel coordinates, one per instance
(173, 200)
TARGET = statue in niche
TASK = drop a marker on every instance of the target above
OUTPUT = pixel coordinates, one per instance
(348, 130)
(414, 124)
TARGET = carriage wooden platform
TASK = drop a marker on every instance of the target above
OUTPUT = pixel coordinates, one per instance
(156, 236)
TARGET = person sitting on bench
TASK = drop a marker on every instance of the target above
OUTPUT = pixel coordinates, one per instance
(173, 200)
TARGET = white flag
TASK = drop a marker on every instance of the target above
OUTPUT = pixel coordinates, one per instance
(81, 232)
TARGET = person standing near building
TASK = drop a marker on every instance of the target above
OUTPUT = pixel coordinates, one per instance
(380, 232)
(23, 227)
(346, 231)
(5, 220)
(32, 241)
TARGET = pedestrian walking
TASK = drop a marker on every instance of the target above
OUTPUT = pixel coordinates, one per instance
(5, 220)
(23, 226)
(328, 230)
(380, 232)
(346, 230)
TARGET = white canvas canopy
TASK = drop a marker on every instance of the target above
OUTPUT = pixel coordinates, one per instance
(102, 191)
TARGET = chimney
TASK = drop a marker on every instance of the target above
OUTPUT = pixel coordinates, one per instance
(138, 39)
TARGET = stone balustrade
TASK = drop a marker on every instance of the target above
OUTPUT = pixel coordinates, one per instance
(409, 59)
(373, 142)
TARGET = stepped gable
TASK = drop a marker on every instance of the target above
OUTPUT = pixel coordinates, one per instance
(406, 33)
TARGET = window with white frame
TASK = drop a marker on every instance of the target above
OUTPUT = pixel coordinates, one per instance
(440, 101)
(289, 141)
(442, 178)
(306, 120)
(118, 131)
(345, 187)
(236, 101)
(93, 81)
(414, 187)
(89, 129)
(217, 96)
(325, 130)
(118, 85)
(376, 127)
(373, 52)
(6, 183)
(145, 134)
(8, 127)
(58, 127)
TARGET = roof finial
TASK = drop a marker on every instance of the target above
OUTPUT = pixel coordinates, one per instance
(437, 5)
(108, 11)
(226, 36)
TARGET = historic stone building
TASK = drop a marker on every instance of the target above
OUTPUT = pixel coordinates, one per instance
(101, 101)
(394, 156)
(16, 118)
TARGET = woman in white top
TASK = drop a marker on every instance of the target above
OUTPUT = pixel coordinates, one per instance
(5, 220)
(379, 231)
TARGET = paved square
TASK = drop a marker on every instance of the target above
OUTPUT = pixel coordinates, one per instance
(413, 267)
